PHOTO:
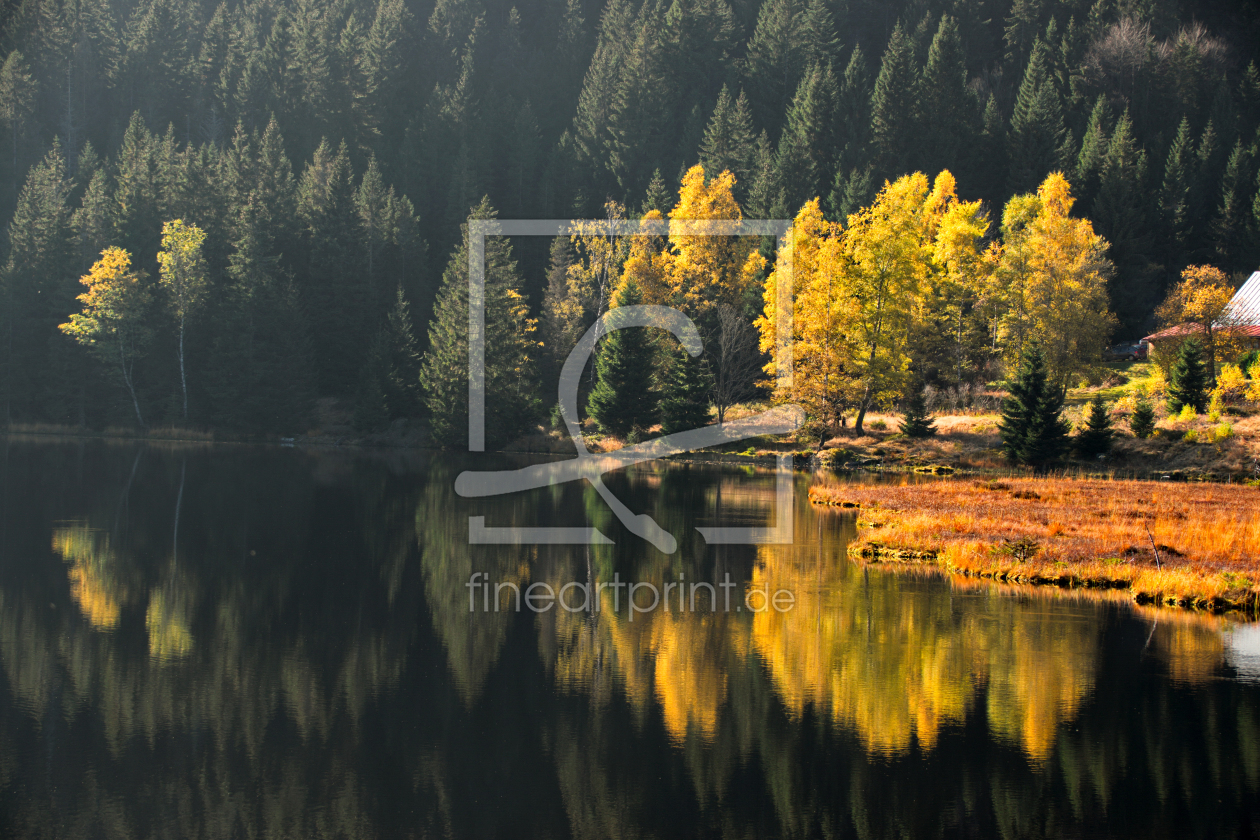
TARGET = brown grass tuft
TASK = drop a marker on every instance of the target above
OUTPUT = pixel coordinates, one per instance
(1174, 543)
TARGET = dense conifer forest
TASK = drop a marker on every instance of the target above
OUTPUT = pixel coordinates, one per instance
(326, 153)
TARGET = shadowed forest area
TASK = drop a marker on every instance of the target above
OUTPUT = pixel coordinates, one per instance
(327, 153)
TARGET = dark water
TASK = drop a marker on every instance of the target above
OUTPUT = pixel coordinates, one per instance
(250, 643)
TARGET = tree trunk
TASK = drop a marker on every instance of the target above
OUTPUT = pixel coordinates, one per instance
(126, 372)
(183, 380)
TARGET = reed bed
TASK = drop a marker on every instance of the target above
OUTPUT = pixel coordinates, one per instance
(1173, 543)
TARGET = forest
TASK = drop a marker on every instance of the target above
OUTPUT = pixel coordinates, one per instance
(219, 215)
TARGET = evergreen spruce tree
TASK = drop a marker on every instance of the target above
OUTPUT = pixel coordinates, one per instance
(260, 375)
(1142, 421)
(992, 148)
(371, 406)
(1095, 439)
(763, 194)
(1032, 427)
(916, 422)
(37, 288)
(511, 391)
(389, 386)
(1037, 135)
(1229, 225)
(851, 191)
(1120, 216)
(775, 59)
(948, 109)
(1093, 153)
(1188, 378)
(657, 197)
(729, 139)
(854, 112)
(1174, 195)
(804, 162)
(335, 285)
(818, 32)
(622, 398)
(895, 107)
(685, 396)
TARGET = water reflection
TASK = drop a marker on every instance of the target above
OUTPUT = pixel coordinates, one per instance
(296, 658)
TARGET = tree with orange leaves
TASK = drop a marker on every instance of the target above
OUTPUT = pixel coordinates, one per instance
(112, 323)
(1201, 301)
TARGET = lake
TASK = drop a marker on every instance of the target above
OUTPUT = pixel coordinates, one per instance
(231, 641)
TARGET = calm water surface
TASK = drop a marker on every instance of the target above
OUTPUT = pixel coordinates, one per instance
(251, 643)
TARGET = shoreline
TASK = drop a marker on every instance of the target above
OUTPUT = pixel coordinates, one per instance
(1162, 542)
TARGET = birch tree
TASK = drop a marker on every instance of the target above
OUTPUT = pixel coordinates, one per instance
(183, 275)
(112, 323)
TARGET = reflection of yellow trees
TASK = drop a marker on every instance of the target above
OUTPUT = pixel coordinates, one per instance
(93, 584)
(1040, 665)
(869, 651)
(167, 621)
(888, 657)
(678, 659)
(1194, 649)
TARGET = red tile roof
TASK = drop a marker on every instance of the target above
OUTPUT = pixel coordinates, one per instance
(1251, 331)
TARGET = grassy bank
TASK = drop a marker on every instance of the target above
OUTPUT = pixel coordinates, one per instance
(1189, 545)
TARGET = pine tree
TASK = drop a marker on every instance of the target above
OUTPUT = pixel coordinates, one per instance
(729, 140)
(37, 285)
(895, 107)
(510, 347)
(1229, 224)
(685, 395)
(17, 102)
(851, 191)
(1188, 378)
(948, 108)
(1032, 427)
(336, 294)
(1093, 154)
(1142, 421)
(855, 112)
(916, 422)
(389, 385)
(657, 196)
(260, 375)
(371, 406)
(622, 398)
(1095, 439)
(1120, 214)
(775, 59)
(763, 194)
(1174, 195)
(1036, 140)
(1022, 25)
(992, 148)
(804, 162)
(402, 381)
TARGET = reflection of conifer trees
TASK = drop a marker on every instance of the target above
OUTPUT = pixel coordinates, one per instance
(472, 638)
(281, 680)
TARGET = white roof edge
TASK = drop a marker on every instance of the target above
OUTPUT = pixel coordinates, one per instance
(1246, 301)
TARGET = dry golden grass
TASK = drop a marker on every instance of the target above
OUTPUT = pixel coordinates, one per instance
(1194, 545)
